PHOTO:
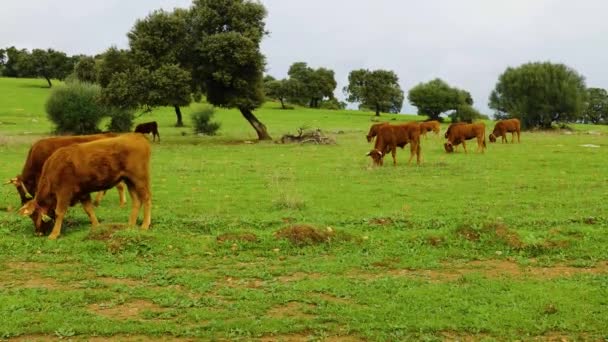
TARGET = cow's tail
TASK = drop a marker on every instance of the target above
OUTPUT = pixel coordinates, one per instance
(484, 140)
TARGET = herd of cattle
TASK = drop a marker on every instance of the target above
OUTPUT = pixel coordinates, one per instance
(389, 137)
(60, 172)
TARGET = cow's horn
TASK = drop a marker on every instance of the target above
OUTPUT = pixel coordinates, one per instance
(27, 193)
(367, 154)
(46, 218)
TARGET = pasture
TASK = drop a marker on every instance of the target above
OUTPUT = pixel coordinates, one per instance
(510, 244)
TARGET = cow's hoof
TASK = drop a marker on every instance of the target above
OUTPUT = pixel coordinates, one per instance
(53, 237)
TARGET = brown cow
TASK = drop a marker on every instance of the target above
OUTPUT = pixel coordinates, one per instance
(427, 126)
(373, 131)
(389, 137)
(73, 172)
(147, 128)
(461, 133)
(447, 131)
(506, 126)
(26, 183)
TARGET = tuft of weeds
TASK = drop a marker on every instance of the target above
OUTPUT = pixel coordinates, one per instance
(237, 237)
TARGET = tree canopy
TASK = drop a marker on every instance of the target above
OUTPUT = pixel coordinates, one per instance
(86, 70)
(596, 109)
(540, 94)
(311, 86)
(436, 97)
(378, 90)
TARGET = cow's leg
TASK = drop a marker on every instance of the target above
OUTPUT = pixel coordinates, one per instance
(394, 154)
(158, 135)
(60, 210)
(135, 204)
(412, 153)
(512, 137)
(464, 146)
(504, 138)
(87, 205)
(146, 198)
(99, 196)
(121, 194)
(518, 141)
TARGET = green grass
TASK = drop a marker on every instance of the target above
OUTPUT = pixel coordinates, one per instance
(506, 245)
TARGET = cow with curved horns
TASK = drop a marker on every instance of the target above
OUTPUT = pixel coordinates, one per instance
(503, 127)
(459, 134)
(390, 137)
(73, 172)
(26, 183)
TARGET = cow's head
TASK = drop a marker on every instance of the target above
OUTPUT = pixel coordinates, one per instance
(377, 156)
(21, 189)
(449, 148)
(39, 214)
(492, 138)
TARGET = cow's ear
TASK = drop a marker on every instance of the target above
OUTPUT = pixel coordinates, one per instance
(14, 181)
(27, 209)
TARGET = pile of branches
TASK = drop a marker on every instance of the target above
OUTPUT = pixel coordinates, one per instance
(307, 137)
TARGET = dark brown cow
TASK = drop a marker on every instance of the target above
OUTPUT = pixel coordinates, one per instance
(506, 126)
(389, 137)
(26, 183)
(427, 126)
(147, 128)
(459, 134)
(73, 172)
(373, 131)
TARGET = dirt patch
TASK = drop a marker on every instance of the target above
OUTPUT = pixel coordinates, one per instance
(331, 299)
(122, 338)
(468, 233)
(303, 337)
(129, 310)
(434, 241)
(386, 263)
(105, 232)
(504, 235)
(298, 276)
(488, 269)
(381, 221)
(241, 283)
(292, 310)
(26, 266)
(304, 235)
(237, 237)
(120, 281)
(27, 275)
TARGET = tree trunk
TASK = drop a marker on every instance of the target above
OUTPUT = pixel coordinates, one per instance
(259, 127)
(377, 110)
(178, 113)
(282, 104)
(49, 81)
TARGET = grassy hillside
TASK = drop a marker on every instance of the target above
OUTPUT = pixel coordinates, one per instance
(502, 245)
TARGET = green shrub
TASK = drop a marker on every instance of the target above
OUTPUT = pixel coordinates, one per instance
(201, 120)
(121, 120)
(333, 104)
(75, 108)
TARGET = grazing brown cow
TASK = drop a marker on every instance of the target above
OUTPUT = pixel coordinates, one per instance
(447, 131)
(73, 172)
(427, 126)
(389, 137)
(506, 126)
(147, 128)
(461, 133)
(26, 183)
(373, 130)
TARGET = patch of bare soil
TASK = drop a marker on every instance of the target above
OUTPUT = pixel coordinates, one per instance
(26, 266)
(129, 310)
(27, 275)
(121, 338)
(503, 234)
(303, 337)
(468, 233)
(241, 283)
(488, 269)
(292, 310)
(298, 276)
(237, 237)
(120, 281)
(381, 221)
(104, 232)
(302, 235)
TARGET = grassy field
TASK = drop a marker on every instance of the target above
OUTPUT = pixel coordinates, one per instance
(510, 244)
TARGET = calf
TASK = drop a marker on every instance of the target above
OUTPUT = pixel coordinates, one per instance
(428, 126)
(373, 131)
(147, 128)
(461, 133)
(506, 126)
(389, 137)
(73, 172)
(27, 182)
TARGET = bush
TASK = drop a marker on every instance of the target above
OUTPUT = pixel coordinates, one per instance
(75, 108)
(466, 113)
(201, 120)
(121, 120)
(333, 104)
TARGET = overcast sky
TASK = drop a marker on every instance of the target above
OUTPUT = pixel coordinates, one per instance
(468, 43)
